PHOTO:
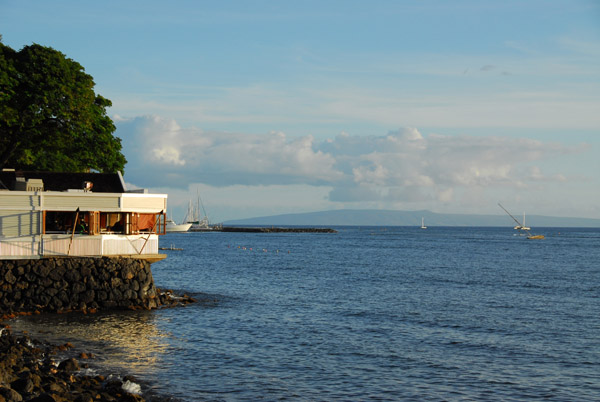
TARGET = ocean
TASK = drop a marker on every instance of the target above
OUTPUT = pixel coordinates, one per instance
(368, 313)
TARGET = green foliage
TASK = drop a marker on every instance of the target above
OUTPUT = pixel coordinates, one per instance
(50, 117)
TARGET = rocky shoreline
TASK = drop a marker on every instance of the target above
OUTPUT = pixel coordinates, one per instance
(30, 371)
(33, 371)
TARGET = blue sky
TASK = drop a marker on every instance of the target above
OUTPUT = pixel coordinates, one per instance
(267, 107)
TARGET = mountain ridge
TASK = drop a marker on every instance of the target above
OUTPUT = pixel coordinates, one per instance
(373, 217)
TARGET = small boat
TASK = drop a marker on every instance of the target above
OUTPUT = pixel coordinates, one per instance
(173, 227)
(423, 223)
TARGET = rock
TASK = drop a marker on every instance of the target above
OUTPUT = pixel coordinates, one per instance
(57, 273)
(72, 276)
(84, 398)
(130, 294)
(91, 283)
(43, 269)
(85, 271)
(22, 385)
(46, 397)
(78, 287)
(9, 277)
(55, 388)
(36, 380)
(88, 296)
(10, 395)
(69, 365)
(116, 282)
(63, 296)
(127, 273)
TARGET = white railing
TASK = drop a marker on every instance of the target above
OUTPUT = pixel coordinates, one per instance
(20, 248)
(78, 246)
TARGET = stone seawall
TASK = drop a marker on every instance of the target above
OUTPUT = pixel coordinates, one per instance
(76, 283)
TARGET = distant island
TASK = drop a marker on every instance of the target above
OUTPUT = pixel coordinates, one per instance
(371, 217)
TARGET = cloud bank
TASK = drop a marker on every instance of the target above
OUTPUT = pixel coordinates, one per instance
(398, 168)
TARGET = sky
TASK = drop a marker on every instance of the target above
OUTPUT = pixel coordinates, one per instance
(269, 107)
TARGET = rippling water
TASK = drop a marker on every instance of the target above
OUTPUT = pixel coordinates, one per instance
(364, 314)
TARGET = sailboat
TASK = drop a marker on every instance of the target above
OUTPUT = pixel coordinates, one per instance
(423, 223)
(193, 217)
(521, 226)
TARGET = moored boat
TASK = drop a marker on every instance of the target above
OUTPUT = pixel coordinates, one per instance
(172, 227)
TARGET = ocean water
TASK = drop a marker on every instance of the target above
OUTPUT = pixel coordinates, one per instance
(378, 313)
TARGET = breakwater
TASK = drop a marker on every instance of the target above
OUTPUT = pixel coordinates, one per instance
(275, 230)
(62, 284)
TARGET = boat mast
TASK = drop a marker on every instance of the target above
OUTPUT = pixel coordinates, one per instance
(509, 214)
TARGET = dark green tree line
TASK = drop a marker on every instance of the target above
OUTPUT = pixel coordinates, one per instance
(50, 117)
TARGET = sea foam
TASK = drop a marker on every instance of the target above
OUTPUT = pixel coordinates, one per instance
(132, 387)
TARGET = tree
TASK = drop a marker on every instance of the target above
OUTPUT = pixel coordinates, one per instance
(50, 117)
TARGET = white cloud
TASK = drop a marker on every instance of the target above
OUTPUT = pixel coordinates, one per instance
(400, 168)
(160, 152)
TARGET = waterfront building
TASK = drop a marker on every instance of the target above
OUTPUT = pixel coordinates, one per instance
(48, 214)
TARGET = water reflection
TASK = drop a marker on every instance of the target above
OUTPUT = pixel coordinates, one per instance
(124, 342)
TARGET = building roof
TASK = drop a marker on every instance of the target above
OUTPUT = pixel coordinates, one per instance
(57, 181)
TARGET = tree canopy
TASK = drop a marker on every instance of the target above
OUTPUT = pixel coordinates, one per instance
(50, 117)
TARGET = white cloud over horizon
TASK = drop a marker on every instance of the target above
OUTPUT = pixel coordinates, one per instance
(400, 169)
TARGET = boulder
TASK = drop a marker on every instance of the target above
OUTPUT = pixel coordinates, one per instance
(69, 365)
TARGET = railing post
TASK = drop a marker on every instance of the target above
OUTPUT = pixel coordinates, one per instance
(73, 232)
(153, 230)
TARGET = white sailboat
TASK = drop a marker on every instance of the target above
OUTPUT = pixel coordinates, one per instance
(193, 218)
(522, 227)
(423, 223)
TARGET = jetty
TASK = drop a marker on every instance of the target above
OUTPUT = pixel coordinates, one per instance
(275, 230)
(171, 247)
